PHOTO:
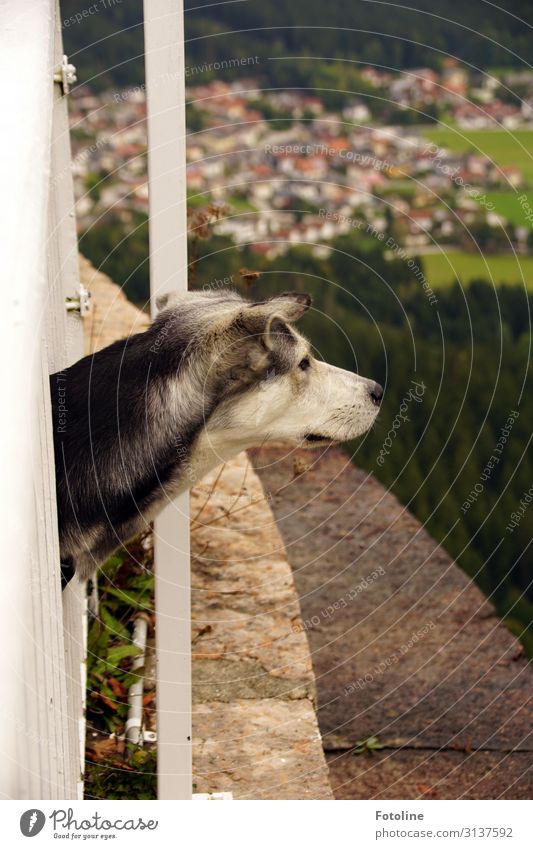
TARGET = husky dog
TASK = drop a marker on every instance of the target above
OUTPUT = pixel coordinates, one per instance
(142, 420)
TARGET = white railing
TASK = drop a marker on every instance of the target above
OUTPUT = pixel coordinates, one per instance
(165, 89)
(41, 632)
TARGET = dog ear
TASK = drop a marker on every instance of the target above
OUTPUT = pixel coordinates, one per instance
(289, 305)
(267, 321)
(270, 344)
(169, 299)
(277, 332)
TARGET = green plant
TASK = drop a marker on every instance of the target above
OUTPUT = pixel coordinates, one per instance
(368, 746)
(115, 780)
(126, 587)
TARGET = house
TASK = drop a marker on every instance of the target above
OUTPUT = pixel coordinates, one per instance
(357, 112)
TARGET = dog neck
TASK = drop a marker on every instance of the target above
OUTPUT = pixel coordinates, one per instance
(210, 451)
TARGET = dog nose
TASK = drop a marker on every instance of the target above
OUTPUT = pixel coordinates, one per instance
(376, 393)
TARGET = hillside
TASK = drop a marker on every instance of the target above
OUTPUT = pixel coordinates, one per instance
(108, 46)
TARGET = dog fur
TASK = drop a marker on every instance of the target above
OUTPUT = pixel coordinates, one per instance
(143, 419)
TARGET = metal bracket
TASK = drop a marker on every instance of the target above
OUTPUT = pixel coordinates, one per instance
(146, 736)
(149, 736)
(81, 304)
(65, 74)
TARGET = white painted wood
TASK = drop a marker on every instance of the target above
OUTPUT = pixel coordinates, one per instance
(30, 732)
(165, 82)
(39, 753)
(64, 344)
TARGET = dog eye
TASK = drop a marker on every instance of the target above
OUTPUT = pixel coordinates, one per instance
(304, 364)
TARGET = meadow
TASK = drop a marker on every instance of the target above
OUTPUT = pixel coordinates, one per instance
(441, 269)
(507, 205)
(503, 147)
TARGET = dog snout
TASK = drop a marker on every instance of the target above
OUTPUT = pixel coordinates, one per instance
(376, 394)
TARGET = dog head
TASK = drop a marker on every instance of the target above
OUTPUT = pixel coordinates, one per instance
(254, 376)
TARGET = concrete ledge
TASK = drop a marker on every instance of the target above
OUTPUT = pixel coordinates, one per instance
(260, 749)
(112, 316)
(255, 731)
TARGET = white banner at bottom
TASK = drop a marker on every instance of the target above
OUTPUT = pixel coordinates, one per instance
(251, 826)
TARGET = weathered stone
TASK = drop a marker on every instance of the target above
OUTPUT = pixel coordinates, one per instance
(404, 646)
(244, 602)
(430, 774)
(112, 316)
(254, 726)
(227, 680)
(259, 749)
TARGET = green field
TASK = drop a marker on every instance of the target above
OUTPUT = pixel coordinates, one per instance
(443, 268)
(506, 204)
(503, 147)
(236, 204)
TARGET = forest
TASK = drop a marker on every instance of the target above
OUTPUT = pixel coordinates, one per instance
(108, 45)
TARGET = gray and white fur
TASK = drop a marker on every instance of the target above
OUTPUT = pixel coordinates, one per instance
(146, 417)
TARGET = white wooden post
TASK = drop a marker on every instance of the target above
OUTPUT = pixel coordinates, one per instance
(64, 343)
(165, 87)
(39, 724)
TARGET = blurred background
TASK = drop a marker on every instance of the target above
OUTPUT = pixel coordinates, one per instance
(382, 161)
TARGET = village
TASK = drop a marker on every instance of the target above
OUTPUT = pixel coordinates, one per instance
(287, 171)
